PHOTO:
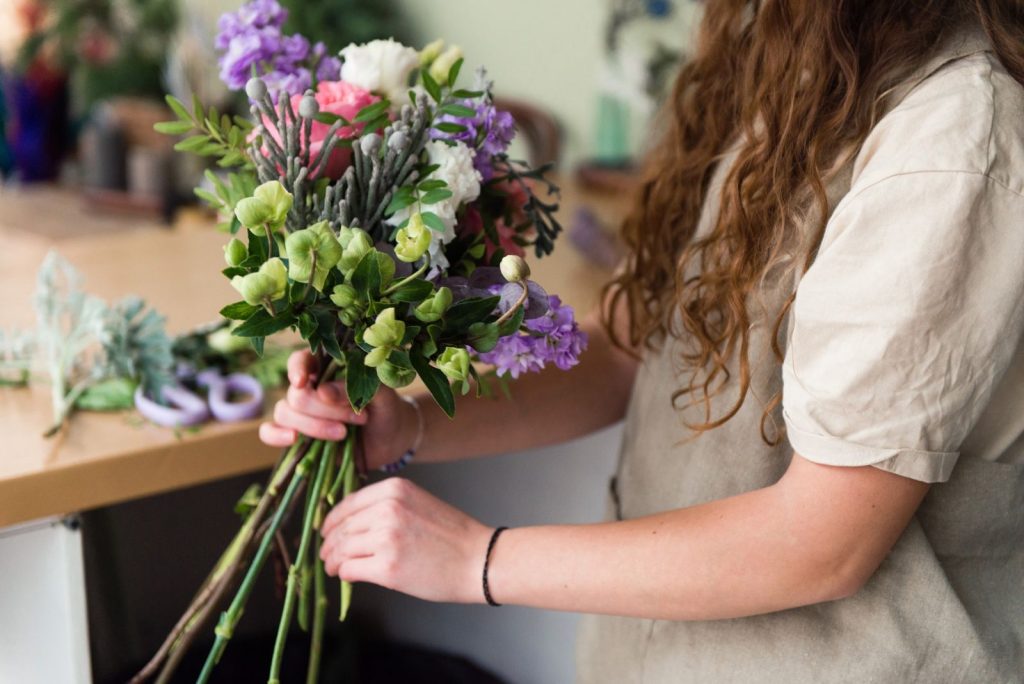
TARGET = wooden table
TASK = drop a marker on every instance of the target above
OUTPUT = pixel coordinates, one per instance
(106, 458)
(102, 459)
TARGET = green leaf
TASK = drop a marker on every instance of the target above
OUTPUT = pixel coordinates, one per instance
(513, 324)
(329, 118)
(431, 86)
(413, 291)
(450, 127)
(232, 271)
(239, 311)
(436, 383)
(402, 198)
(173, 127)
(431, 184)
(483, 337)
(178, 108)
(261, 324)
(366, 277)
(307, 325)
(468, 311)
(209, 198)
(453, 73)
(433, 221)
(435, 196)
(361, 382)
(257, 344)
(192, 144)
(371, 112)
(463, 94)
(327, 324)
(461, 111)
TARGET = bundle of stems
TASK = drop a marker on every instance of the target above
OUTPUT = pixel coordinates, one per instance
(325, 475)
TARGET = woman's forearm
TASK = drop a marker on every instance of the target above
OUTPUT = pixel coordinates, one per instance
(545, 408)
(815, 536)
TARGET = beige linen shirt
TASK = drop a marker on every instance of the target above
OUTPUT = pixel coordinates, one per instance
(904, 352)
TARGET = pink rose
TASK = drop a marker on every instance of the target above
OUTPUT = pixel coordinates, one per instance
(334, 97)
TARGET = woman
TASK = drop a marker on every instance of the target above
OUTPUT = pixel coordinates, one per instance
(819, 325)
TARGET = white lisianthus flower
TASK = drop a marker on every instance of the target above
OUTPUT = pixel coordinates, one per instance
(455, 167)
(380, 66)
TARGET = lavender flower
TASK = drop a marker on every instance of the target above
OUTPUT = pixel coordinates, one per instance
(554, 338)
(251, 38)
(489, 131)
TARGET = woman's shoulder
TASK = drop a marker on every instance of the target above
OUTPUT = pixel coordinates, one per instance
(966, 116)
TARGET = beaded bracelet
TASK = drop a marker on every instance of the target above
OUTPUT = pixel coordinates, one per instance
(406, 458)
(487, 565)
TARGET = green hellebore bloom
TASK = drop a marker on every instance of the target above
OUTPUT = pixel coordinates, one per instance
(394, 376)
(312, 253)
(344, 296)
(454, 363)
(433, 307)
(253, 214)
(385, 331)
(279, 200)
(269, 283)
(235, 252)
(443, 64)
(412, 242)
(356, 244)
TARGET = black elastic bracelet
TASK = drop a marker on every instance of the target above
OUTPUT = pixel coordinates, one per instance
(487, 563)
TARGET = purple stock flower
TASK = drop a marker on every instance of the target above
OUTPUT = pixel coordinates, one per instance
(251, 38)
(554, 338)
(489, 131)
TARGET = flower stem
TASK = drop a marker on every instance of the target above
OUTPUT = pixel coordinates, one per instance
(515, 307)
(229, 618)
(409, 278)
(346, 464)
(324, 455)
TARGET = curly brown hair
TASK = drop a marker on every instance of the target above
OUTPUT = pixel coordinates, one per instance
(795, 86)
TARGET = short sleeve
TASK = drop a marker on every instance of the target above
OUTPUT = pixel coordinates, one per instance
(905, 322)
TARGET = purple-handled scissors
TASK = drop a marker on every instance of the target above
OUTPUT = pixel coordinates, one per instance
(186, 408)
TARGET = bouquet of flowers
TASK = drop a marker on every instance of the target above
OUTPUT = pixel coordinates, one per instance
(384, 222)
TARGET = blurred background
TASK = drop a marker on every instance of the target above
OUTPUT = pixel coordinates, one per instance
(83, 172)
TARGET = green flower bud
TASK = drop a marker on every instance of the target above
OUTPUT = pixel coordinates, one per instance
(433, 307)
(344, 296)
(514, 268)
(376, 357)
(224, 342)
(253, 214)
(348, 317)
(269, 283)
(279, 200)
(395, 376)
(235, 252)
(431, 51)
(385, 331)
(356, 244)
(443, 64)
(312, 253)
(412, 242)
(454, 363)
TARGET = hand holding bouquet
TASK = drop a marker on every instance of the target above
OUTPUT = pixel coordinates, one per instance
(384, 221)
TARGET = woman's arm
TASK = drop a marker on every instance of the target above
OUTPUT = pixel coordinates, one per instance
(816, 535)
(545, 408)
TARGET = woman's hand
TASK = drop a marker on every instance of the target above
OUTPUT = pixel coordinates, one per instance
(398, 536)
(389, 423)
